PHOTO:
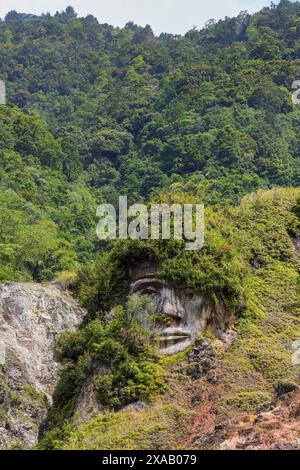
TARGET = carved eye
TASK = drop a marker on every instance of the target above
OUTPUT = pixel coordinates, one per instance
(150, 290)
(190, 294)
(147, 286)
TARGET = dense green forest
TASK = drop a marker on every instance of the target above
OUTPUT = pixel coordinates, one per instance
(96, 111)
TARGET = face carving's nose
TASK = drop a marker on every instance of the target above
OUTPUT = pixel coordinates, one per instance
(171, 305)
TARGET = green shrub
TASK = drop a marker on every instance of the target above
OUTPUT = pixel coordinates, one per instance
(131, 368)
(248, 401)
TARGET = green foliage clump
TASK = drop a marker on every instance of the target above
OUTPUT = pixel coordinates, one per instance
(31, 246)
(129, 368)
(248, 401)
(43, 217)
(158, 427)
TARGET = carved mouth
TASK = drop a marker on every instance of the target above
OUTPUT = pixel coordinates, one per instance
(171, 337)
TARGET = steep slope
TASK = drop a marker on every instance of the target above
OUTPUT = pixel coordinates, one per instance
(32, 318)
(225, 388)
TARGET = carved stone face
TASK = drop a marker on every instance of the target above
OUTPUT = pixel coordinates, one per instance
(186, 312)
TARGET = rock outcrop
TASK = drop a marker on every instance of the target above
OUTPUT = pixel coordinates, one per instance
(275, 427)
(201, 359)
(188, 313)
(32, 317)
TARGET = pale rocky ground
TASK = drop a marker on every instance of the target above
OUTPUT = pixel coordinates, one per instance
(32, 318)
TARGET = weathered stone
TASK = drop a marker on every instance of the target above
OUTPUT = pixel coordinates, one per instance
(189, 313)
(2, 92)
(201, 359)
(32, 317)
(88, 405)
(228, 338)
(136, 407)
(212, 377)
(285, 388)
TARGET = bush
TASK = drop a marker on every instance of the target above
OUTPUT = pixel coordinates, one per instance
(131, 368)
(248, 401)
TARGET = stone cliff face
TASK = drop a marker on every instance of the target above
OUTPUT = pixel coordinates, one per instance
(188, 313)
(32, 317)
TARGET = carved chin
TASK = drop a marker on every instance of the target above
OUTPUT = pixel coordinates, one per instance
(174, 340)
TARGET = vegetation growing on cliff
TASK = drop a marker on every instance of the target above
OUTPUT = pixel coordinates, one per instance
(128, 112)
(263, 230)
(95, 111)
(119, 355)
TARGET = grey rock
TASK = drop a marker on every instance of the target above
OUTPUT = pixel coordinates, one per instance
(212, 377)
(88, 405)
(136, 407)
(229, 338)
(201, 359)
(32, 318)
(285, 388)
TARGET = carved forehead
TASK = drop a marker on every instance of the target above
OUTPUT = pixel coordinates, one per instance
(143, 277)
(143, 270)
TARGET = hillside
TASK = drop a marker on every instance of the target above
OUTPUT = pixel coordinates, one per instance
(94, 112)
(237, 390)
(137, 112)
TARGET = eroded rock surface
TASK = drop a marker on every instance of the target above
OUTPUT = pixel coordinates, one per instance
(88, 406)
(201, 359)
(32, 317)
(188, 313)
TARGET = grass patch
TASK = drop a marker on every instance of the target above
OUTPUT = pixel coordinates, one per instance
(248, 401)
(157, 427)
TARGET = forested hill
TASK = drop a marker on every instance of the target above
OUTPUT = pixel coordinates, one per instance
(137, 111)
(93, 112)
(109, 110)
